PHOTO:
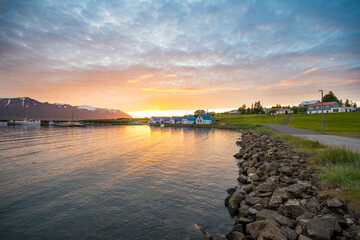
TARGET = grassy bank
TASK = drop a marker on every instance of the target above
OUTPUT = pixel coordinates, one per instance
(337, 123)
(334, 166)
(248, 118)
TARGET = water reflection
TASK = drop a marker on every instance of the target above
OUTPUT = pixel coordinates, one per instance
(109, 182)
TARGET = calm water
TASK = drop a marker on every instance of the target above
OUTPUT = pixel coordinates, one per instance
(115, 182)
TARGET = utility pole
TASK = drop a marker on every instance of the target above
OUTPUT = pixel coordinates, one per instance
(322, 112)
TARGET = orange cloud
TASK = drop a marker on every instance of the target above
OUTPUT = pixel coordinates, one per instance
(189, 90)
(167, 76)
(311, 70)
(143, 77)
(291, 81)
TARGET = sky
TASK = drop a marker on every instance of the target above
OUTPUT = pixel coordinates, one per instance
(140, 56)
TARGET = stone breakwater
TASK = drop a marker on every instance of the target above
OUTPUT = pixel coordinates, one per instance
(279, 198)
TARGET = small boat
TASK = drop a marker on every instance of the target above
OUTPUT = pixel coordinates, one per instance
(28, 121)
(70, 124)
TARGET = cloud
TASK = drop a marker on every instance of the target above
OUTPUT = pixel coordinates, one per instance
(176, 47)
(139, 79)
(189, 90)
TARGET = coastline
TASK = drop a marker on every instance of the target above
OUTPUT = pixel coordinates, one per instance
(279, 196)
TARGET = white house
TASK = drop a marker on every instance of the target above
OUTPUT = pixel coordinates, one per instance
(165, 120)
(188, 119)
(154, 120)
(204, 119)
(175, 120)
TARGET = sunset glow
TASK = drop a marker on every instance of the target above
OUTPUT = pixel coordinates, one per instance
(142, 55)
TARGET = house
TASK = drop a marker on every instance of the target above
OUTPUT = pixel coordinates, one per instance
(165, 120)
(154, 120)
(175, 120)
(328, 107)
(284, 111)
(306, 103)
(204, 119)
(235, 111)
(188, 119)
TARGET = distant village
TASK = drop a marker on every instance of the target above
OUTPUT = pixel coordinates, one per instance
(330, 104)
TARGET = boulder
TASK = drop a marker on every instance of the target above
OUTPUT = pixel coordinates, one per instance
(237, 196)
(321, 228)
(268, 186)
(295, 190)
(242, 178)
(288, 233)
(275, 201)
(282, 192)
(334, 203)
(238, 236)
(265, 229)
(286, 170)
(253, 200)
(313, 205)
(284, 221)
(231, 191)
(238, 155)
(294, 208)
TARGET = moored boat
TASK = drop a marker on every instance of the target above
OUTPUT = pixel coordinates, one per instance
(28, 121)
(70, 124)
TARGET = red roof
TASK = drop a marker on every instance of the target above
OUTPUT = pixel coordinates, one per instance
(319, 104)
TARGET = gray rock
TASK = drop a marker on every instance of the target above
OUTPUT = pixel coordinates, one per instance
(268, 186)
(282, 192)
(242, 178)
(238, 155)
(334, 203)
(253, 200)
(264, 230)
(247, 188)
(313, 205)
(233, 208)
(286, 170)
(321, 228)
(238, 236)
(275, 201)
(302, 237)
(237, 196)
(282, 220)
(295, 190)
(301, 228)
(252, 211)
(294, 208)
(288, 233)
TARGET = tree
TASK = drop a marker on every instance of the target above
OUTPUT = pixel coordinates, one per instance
(347, 103)
(355, 105)
(242, 109)
(330, 97)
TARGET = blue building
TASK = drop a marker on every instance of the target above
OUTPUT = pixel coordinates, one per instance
(326, 106)
(188, 119)
(204, 119)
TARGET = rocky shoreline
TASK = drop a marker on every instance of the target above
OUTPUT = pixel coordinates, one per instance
(279, 198)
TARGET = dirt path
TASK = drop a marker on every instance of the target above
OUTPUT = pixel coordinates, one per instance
(286, 120)
(330, 140)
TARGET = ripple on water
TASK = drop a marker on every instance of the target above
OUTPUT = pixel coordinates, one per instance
(118, 182)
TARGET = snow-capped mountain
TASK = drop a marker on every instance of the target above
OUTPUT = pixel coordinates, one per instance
(18, 108)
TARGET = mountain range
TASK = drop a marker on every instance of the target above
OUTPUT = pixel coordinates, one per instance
(21, 107)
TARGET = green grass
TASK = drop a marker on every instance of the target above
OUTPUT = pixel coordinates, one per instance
(302, 145)
(339, 166)
(346, 123)
(248, 118)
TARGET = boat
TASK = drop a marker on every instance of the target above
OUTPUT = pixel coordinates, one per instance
(28, 121)
(70, 124)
